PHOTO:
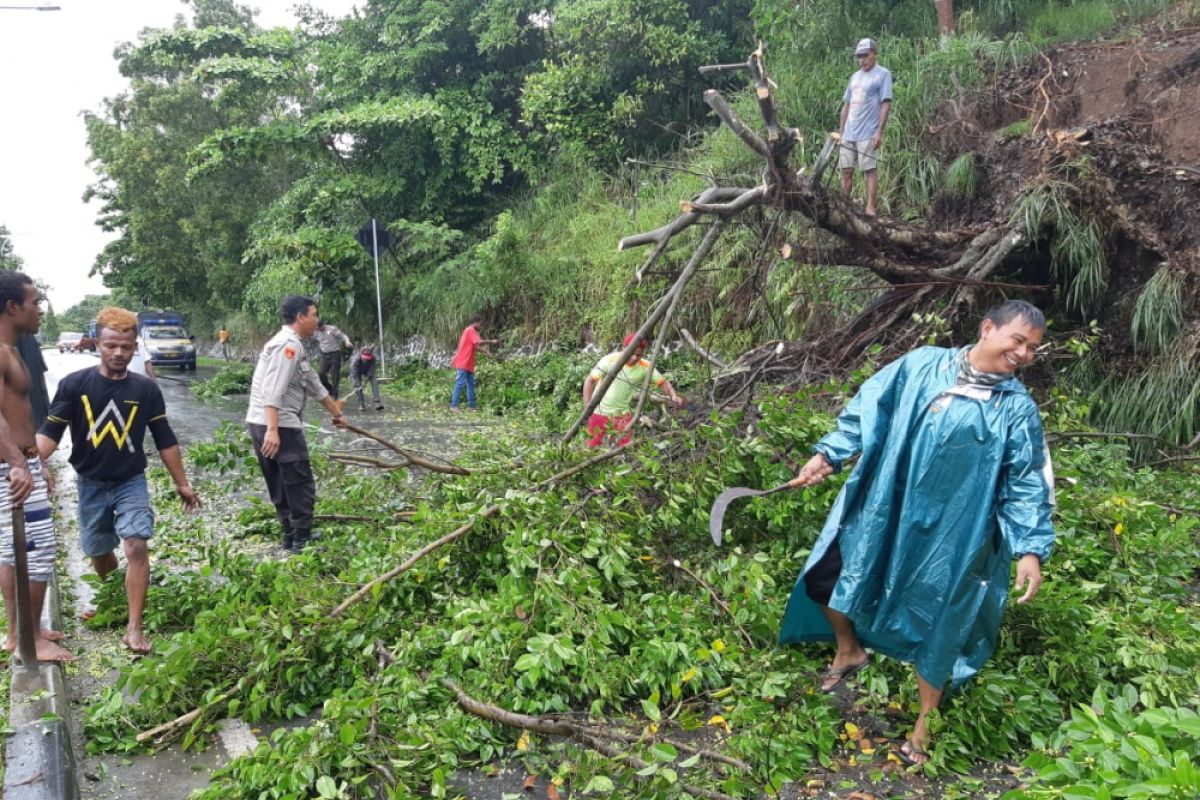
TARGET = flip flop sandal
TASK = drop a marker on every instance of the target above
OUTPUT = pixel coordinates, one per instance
(842, 674)
(912, 755)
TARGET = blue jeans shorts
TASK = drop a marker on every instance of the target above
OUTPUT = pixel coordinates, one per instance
(110, 511)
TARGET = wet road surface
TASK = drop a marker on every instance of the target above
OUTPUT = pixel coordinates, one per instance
(172, 774)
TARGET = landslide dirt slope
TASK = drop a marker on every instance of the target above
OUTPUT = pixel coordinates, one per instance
(1118, 121)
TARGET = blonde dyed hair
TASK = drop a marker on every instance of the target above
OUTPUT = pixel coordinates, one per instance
(116, 319)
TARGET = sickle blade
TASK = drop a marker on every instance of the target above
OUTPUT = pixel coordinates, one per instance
(716, 517)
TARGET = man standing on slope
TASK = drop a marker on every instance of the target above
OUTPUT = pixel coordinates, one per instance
(464, 362)
(283, 381)
(615, 412)
(951, 486)
(23, 473)
(109, 409)
(866, 105)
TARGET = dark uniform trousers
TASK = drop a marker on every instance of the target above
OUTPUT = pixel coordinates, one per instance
(289, 477)
(330, 372)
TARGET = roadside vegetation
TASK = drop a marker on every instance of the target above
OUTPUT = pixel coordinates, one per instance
(230, 379)
(506, 188)
(604, 603)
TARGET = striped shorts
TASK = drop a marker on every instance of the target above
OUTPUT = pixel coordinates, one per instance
(40, 543)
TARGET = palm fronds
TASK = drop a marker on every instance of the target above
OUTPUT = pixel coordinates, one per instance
(1158, 317)
(1076, 242)
(961, 177)
(1164, 399)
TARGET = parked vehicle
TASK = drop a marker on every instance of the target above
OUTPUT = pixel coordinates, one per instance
(87, 344)
(68, 340)
(167, 342)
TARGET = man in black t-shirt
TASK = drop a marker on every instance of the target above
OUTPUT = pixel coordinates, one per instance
(109, 409)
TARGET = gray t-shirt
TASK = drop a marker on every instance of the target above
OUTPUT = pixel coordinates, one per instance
(284, 379)
(865, 95)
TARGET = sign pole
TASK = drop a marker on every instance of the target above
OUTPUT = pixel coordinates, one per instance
(378, 298)
(26, 625)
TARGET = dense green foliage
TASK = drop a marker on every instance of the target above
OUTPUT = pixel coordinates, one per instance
(569, 600)
(243, 160)
(230, 379)
(492, 143)
(488, 141)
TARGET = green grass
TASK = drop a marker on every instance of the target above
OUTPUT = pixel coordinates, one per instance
(1015, 130)
(961, 176)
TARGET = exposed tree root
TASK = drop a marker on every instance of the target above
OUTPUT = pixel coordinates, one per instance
(954, 269)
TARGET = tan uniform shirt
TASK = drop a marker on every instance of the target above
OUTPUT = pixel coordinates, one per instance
(284, 379)
(331, 339)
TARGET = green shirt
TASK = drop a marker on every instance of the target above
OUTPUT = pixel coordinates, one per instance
(618, 399)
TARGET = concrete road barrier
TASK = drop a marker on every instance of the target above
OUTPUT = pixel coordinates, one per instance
(39, 762)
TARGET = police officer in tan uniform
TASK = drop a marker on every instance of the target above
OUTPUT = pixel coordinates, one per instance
(283, 381)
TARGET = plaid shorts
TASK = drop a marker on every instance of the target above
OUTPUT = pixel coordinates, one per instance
(40, 543)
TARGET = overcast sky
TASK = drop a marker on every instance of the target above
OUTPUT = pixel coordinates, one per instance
(54, 65)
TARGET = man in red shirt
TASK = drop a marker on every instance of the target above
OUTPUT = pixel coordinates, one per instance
(464, 362)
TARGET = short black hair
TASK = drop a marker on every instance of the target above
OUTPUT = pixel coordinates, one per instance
(1009, 310)
(293, 305)
(12, 288)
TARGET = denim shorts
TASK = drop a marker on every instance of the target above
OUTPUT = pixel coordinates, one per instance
(110, 511)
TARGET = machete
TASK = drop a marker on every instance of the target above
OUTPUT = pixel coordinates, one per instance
(716, 517)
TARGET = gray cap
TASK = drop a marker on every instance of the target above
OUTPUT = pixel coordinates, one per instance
(866, 46)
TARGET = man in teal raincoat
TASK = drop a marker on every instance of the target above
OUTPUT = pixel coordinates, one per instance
(952, 484)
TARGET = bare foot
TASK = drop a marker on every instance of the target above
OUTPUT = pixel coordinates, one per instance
(46, 650)
(870, 212)
(52, 651)
(86, 614)
(137, 643)
(50, 635)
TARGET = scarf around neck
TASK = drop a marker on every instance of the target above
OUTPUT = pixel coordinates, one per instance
(968, 375)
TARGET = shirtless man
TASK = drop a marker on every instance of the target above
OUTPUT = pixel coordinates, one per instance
(22, 473)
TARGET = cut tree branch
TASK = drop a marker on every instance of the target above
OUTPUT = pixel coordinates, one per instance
(583, 734)
(710, 237)
(459, 532)
(410, 458)
(707, 354)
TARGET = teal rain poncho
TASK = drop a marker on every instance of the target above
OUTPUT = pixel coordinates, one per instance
(949, 489)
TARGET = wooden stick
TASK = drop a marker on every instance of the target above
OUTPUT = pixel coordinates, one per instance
(175, 725)
(723, 110)
(707, 354)
(362, 517)
(366, 461)
(556, 727)
(411, 457)
(711, 755)
(457, 533)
